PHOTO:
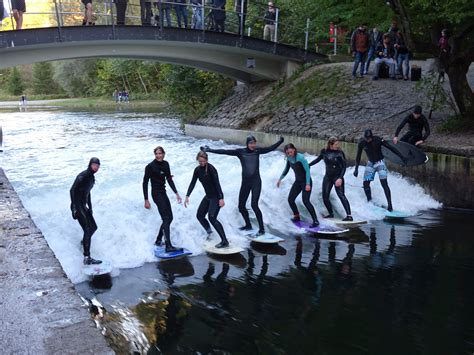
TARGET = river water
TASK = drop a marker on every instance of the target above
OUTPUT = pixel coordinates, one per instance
(383, 288)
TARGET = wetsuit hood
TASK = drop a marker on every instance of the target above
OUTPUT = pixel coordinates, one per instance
(368, 133)
(417, 110)
(94, 160)
(250, 138)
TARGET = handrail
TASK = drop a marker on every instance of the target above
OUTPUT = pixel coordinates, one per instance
(200, 16)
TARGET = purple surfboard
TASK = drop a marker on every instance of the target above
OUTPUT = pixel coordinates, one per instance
(321, 229)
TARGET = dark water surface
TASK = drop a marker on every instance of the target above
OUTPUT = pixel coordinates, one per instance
(388, 288)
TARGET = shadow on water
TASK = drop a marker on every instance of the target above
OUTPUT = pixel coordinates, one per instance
(391, 288)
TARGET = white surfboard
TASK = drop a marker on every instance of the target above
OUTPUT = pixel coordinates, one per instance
(210, 247)
(99, 269)
(346, 223)
(267, 238)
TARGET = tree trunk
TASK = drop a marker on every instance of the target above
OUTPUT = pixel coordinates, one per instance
(460, 88)
(143, 83)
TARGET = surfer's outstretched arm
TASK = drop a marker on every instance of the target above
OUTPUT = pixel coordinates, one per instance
(401, 125)
(232, 152)
(271, 148)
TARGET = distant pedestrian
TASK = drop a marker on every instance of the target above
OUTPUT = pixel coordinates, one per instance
(88, 20)
(196, 22)
(444, 53)
(359, 47)
(115, 95)
(269, 18)
(145, 12)
(3, 12)
(375, 38)
(164, 9)
(181, 12)
(403, 56)
(121, 8)
(23, 100)
(18, 8)
(219, 15)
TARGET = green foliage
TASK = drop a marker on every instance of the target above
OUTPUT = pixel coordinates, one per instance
(191, 91)
(77, 77)
(15, 84)
(435, 93)
(43, 82)
(457, 123)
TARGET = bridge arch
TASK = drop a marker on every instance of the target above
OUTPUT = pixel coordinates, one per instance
(242, 58)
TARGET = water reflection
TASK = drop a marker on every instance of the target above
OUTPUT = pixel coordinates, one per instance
(407, 285)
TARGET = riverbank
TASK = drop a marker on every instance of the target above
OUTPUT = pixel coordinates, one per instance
(86, 103)
(40, 311)
(325, 101)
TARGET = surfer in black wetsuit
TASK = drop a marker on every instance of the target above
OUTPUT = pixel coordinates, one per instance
(416, 123)
(251, 182)
(81, 206)
(372, 145)
(335, 161)
(214, 199)
(303, 183)
(158, 171)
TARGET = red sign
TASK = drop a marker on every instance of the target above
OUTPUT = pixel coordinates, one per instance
(331, 32)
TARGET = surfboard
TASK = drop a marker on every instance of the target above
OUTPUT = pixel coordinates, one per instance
(160, 252)
(99, 269)
(414, 155)
(339, 221)
(321, 229)
(267, 238)
(399, 215)
(210, 247)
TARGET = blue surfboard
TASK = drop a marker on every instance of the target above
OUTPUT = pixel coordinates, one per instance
(160, 252)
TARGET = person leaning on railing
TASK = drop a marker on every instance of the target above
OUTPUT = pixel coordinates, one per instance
(219, 15)
(121, 8)
(145, 12)
(269, 18)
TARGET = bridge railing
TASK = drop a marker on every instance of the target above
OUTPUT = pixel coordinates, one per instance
(200, 15)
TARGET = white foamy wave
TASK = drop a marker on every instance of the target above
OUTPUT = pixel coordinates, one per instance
(43, 156)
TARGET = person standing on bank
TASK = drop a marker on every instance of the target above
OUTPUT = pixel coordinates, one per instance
(303, 183)
(213, 201)
(158, 172)
(81, 206)
(416, 122)
(269, 19)
(335, 161)
(251, 181)
(375, 164)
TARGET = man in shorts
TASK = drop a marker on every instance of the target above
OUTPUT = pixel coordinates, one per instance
(88, 21)
(18, 8)
(375, 163)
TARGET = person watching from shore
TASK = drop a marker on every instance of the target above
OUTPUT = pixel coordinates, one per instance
(81, 206)
(251, 181)
(416, 123)
(303, 183)
(359, 47)
(213, 200)
(385, 55)
(335, 161)
(158, 172)
(372, 145)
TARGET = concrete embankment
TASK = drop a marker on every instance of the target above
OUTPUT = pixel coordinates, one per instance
(40, 311)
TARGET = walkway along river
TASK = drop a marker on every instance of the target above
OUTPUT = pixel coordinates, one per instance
(402, 284)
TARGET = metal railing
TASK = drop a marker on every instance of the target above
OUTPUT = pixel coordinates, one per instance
(197, 14)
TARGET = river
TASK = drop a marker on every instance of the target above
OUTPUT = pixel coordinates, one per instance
(383, 288)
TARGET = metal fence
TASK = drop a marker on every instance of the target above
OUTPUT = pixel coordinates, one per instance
(199, 14)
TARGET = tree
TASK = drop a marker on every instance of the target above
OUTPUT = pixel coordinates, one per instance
(76, 77)
(15, 83)
(43, 82)
(422, 21)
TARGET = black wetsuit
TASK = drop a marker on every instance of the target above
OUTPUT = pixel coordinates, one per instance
(159, 173)
(81, 206)
(415, 129)
(300, 167)
(373, 149)
(335, 161)
(209, 178)
(251, 181)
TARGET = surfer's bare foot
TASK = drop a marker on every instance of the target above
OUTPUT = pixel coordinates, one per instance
(89, 261)
(348, 219)
(222, 244)
(245, 228)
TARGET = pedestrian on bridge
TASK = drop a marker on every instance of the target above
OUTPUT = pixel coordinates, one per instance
(269, 18)
(88, 21)
(18, 8)
(181, 12)
(121, 8)
(145, 11)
